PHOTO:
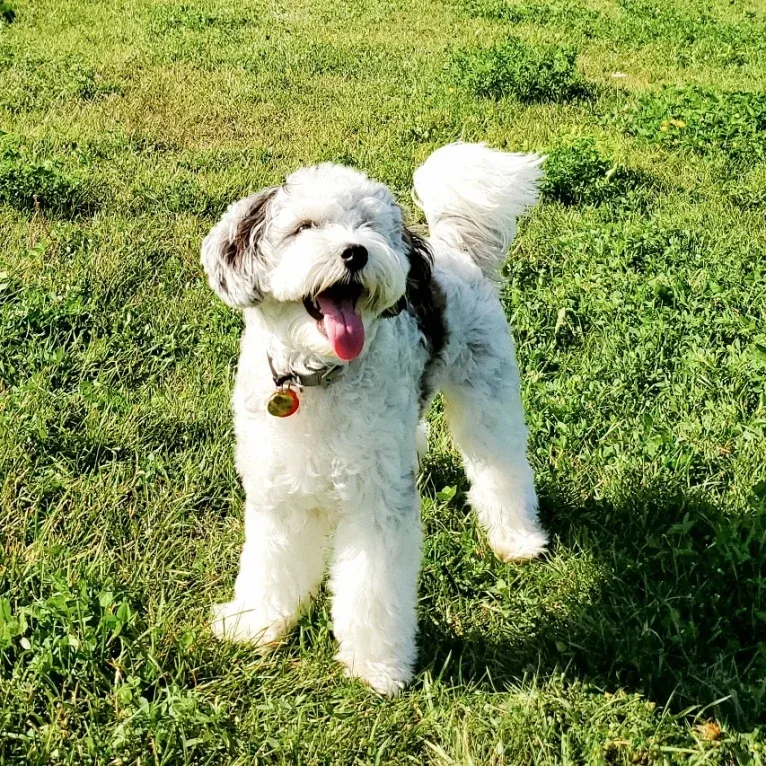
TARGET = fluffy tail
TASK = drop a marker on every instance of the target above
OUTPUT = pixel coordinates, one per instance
(472, 196)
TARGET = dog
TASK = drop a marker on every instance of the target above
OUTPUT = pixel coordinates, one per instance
(352, 323)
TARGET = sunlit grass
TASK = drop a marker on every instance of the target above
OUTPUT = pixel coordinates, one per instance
(637, 295)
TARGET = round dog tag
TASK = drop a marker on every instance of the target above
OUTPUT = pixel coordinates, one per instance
(283, 403)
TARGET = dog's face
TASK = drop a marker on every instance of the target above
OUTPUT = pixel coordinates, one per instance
(324, 257)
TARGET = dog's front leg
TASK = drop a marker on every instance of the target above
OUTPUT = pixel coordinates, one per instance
(281, 566)
(373, 578)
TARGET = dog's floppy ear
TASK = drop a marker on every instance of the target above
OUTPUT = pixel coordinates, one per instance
(425, 298)
(419, 277)
(421, 265)
(231, 251)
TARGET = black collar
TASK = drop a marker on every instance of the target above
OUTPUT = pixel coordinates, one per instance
(321, 377)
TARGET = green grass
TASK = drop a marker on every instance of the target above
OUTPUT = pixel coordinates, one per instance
(637, 293)
(529, 74)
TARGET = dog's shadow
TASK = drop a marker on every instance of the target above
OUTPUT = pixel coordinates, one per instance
(670, 601)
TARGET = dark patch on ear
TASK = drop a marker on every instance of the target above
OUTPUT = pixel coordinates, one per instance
(251, 222)
(426, 301)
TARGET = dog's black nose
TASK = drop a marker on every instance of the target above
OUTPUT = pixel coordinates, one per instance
(355, 257)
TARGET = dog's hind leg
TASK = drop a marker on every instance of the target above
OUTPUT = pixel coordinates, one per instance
(281, 567)
(486, 418)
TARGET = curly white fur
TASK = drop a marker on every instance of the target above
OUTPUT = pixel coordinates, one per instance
(336, 481)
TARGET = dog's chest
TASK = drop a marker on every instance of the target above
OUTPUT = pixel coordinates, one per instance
(361, 425)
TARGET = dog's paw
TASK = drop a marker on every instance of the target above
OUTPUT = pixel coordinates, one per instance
(388, 679)
(242, 623)
(517, 545)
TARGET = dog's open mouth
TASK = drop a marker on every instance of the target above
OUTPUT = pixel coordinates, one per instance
(335, 311)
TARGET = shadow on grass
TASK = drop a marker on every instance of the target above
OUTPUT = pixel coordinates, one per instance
(679, 611)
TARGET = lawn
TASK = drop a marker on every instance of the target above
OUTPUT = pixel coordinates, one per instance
(637, 294)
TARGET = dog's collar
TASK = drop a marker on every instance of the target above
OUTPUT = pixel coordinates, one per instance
(321, 377)
(396, 309)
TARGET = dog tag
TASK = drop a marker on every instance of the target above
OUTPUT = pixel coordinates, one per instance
(283, 403)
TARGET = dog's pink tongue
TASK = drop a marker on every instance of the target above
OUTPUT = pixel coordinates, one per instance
(343, 325)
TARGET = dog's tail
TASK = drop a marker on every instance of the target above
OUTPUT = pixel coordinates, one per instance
(472, 196)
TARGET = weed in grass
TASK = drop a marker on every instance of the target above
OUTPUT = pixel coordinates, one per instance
(577, 173)
(86, 642)
(37, 328)
(28, 184)
(528, 73)
(703, 121)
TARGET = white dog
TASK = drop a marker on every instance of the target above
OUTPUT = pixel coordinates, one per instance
(357, 322)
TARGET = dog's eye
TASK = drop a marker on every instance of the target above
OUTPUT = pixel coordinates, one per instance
(305, 226)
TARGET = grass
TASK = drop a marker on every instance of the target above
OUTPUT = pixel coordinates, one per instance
(578, 173)
(637, 293)
(529, 74)
(29, 185)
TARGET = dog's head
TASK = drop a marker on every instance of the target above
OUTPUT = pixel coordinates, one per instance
(324, 257)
